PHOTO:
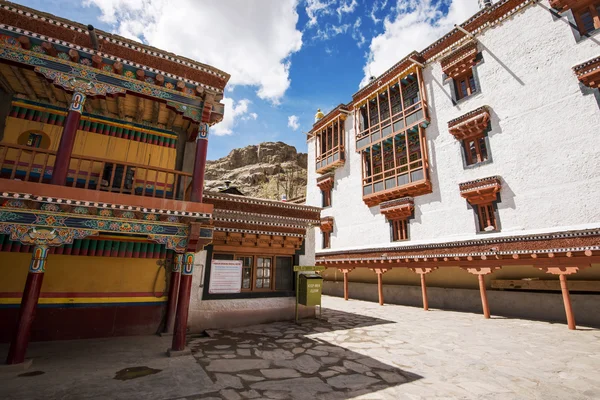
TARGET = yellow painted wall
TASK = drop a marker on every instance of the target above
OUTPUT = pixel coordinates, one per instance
(454, 277)
(97, 145)
(85, 274)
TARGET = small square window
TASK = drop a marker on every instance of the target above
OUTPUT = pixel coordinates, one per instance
(475, 150)
(34, 140)
(465, 85)
(399, 230)
(326, 240)
(487, 218)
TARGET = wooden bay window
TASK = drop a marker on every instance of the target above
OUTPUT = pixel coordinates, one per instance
(391, 139)
(329, 133)
(587, 16)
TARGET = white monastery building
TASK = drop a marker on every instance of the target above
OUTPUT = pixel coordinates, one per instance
(471, 164)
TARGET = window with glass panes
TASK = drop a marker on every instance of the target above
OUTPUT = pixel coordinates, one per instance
(465, 85)
(263, 273)
(247, 267)
(330, 143)
(475, 149)
(390, 136)
(587, 16)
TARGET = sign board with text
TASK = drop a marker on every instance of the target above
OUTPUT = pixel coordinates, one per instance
(225, 276)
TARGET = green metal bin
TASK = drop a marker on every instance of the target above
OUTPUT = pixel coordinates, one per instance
(310, 287)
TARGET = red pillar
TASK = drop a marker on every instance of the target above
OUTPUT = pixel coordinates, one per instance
(173, 293)
(346, 285)
(67, 140)
(380, 287)
(424, 291)
(183, 303)
(484, 301)
(31, 294)
(567, 301)
(199, 164)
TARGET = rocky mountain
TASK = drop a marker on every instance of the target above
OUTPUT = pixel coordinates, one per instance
(268, 170)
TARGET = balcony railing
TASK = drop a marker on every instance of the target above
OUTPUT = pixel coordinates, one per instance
(36, 165)
(330, 159)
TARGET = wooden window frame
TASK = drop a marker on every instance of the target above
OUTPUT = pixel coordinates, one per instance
(478, 149)
(271, 276)
(591, 6)
(486, 216)
(241, 257)
(326, 201)
(254, 274)
(399, 228)
(470, 85)
(326, 240)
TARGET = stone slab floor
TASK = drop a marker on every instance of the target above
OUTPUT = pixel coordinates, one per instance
(361, 351)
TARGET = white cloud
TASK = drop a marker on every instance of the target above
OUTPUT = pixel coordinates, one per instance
(346, 8)
(317, 8)
(417, 24)
(233, 112)
(357, 33)
(293, 122)
(331, 31)
(251, 43)
(377, 6)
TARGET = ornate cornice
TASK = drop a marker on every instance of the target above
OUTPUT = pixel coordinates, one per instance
(470, 124)
(326, 224)
(460, 60)
(326, 182)
(397, 209)
(481, 190)
(588, 72)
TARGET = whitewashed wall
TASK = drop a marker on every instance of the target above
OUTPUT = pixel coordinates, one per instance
(544, 143)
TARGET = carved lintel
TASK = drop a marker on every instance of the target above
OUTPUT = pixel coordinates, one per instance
(44, 236)
(480, 270)
(423, 270)
(562, 270)
(380, 270)
(85, 85)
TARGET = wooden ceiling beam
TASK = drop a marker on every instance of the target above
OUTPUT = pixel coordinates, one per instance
(121, 106)
(48, 90)
(155, 112)
(171, 119)
(24, 83)
(6, 85)
(141, 108)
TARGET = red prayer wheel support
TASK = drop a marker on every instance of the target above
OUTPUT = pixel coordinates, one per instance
(173, 293)
(199, 164)
(183, 304)
(67, 140)
(29, 301)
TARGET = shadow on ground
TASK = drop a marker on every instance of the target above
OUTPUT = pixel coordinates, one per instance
(284, 360)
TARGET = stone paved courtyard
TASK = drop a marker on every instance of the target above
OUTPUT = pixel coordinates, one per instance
(361, 351)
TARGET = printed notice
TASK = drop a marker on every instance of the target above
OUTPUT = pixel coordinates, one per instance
(225, 276)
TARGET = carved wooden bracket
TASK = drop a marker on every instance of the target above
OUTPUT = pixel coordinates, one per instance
(480, 270)
(380, 270)
(423, 270)
(346, 270)
(563, 5)
(481, 191)
(327, 224)
(325, 182)
(471, 124)
(397, 209)
(460, 60)
(562, 270)
(588, 73)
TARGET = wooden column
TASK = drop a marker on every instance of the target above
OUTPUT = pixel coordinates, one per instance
(29, 301)
(346, 271)
(422, 272)
(173, 293)
(67, 140)
(199, 164)
(562, 273)
(481, 272)
(380, 272)
(183, 305)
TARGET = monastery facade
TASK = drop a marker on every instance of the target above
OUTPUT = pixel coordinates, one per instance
(471, 164)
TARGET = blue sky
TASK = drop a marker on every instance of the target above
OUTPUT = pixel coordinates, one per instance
(286, 57)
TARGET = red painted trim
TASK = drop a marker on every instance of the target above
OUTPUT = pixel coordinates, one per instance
(183, 306)
(65, 149)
